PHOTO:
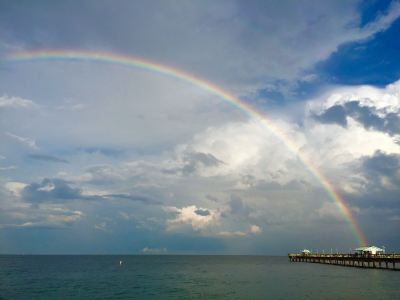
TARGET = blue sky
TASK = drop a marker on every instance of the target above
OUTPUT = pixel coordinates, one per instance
(99, 158)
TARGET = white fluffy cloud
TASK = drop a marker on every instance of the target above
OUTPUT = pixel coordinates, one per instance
(149, 250)
(384, 100)
(254, 229)
(15, 188)
(196, 217)
(15, 102)
(367, 120)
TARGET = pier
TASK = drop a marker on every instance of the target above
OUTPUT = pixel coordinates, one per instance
(378, 261)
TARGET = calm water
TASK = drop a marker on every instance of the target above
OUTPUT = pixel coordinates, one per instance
(188, 277)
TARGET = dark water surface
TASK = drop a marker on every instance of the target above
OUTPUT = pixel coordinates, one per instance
(188, 277)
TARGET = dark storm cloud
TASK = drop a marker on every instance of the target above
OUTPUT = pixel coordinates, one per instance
(51, 190)
(202, 212)
(367, 116)
(382, 164)
(382, 186)
(58, 190)
(49, 158)
(333, 115)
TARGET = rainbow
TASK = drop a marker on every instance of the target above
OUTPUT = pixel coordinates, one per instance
(137, 62)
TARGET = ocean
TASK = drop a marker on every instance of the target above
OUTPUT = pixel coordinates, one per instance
(187, 277)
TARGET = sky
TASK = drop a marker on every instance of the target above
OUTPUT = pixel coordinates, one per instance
(104, 158)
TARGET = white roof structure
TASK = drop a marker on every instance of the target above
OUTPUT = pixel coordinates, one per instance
(306, 251)
(372, 249)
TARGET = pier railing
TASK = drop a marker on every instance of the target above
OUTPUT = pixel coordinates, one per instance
(387, 255)
(381, 261)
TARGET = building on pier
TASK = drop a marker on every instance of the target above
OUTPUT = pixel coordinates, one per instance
(367, 251)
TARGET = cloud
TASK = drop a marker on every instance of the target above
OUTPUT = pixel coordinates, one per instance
(352, 137)
(49, 158)
(383, 21)
(47, 218)
(382, 164)
(51, 190)
(335, 115)
(251, 32)
(253, 176)
(103, 226)
(194, 160)
(31, 143)
(232, 233)
(238, 207)
(202, 212)
(102, 174)
(139, 198)
(15, 188)
(374, 108)
(61, 191)
(196, 147)
(148, 250)
(65, 216)
(240, 144)
(329, 211)
(190, 216)
(8, 168)
(191, 162)
(381, 185)
(369, 117)
(253, 230)
(15, 102)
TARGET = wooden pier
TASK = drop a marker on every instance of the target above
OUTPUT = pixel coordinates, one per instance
(379, 261)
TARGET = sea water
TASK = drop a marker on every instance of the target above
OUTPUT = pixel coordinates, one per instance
(187, 277)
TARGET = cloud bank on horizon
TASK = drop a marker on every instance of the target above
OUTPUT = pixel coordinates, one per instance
(100, 158)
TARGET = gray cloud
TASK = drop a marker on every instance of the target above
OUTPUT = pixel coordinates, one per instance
(369, 117)
(381, 187)
(194, 160)
(51, 190)
(238, 207)
(139, 198)
(333, 115)
(239, 34)
(49, 158)
(382, 164)
(212, 198)
(202, 212)
(58, 190)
